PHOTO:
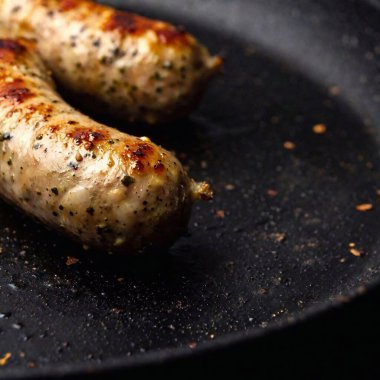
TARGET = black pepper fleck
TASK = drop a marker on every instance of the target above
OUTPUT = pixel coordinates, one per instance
(127, 180)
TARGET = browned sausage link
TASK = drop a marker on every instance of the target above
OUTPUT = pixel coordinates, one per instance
(102, 187)
(139, 69)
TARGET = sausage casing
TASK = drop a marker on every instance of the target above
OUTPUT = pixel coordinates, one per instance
(102, 187)
(136, 68)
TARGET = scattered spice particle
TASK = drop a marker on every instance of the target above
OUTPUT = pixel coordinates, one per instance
(127, 180)
(193, 345)
(334, 90)
(342, 298)
(220, 214)
(352, 245)
(230, 187)
(115, 310)
(289, 145)
(204, 164)
(263, 291)
(272, 193)
(4, 359)
(364, 207)
(71, 260)
(79, 157)
(180, 305)
(356, 252)
(120, 280)
(378, 192)
(361, 290)
(279, 237)
(319, 129)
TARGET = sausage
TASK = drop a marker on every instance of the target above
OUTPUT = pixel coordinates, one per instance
(102, 187)
(133, 67)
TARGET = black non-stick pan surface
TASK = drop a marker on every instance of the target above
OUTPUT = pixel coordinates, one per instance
(272, 249)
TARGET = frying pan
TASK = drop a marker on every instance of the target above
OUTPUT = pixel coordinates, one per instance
(275, 246)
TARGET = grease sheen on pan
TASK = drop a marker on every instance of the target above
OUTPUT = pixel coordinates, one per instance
(100, 186)
(136, 68)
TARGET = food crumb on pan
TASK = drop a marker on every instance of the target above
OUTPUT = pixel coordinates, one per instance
(272, 193)
(334, 90)
(220, 214)
(319, 129)
(263, 291)
(279, 237)
(289, 145)
(356, 252)
(4, 359)
(117, 311)
(193, 345)
(361, 290)
(363, 207)
(71, 260)
(230, 187)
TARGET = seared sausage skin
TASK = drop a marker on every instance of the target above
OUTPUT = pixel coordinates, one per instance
(138, 69)
(102, 187)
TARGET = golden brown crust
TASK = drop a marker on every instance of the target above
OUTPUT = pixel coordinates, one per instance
(11, 49)
(123, 22)
(129, 23)
(15, 91)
